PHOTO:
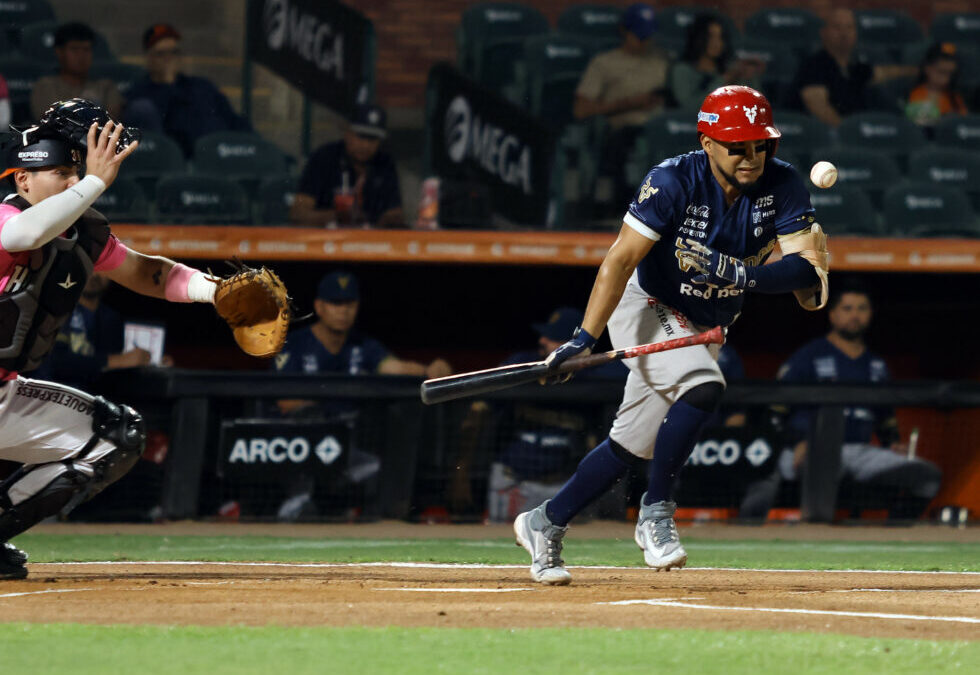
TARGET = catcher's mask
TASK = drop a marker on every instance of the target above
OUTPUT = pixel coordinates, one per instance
(71, 120)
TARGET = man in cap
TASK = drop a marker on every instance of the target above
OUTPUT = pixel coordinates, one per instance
(73, 44)
(184, 107)
(627, 85)
(692, 244)
(333, 345)
(351, 182)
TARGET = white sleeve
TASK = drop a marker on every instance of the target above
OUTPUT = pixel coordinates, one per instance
(36, 226)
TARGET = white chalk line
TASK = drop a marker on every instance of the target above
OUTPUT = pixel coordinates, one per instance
(478, 566)
(455, 590)
(890, 590)
(780, 610)
(52, 590)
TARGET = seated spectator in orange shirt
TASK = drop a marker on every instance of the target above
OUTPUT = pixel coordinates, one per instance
(935, 95)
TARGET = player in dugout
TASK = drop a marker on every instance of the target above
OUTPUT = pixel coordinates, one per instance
(69, 445)
(693, 242)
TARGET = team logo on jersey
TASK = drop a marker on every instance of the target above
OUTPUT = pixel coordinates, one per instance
(281, 359)
(750, 113)
(647, 191)
(757, 232)
(67, 283)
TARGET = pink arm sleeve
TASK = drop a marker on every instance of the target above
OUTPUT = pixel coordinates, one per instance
(112, 255)
(7, 211)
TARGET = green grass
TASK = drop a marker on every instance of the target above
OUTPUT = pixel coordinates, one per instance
(946, 556)
(77, 649)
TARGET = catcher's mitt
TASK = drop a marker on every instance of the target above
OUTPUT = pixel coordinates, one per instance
(255, 304)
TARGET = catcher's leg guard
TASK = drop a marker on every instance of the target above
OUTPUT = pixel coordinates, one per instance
(33, 493)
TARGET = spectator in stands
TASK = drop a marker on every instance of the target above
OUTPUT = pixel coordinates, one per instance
(332, 345)
(627, 85)
(538, 440)
(935, 93)
(709, 62)
(91, 342)
(182, 106)
(843, 356)
(832, 82)
(73, 44)
(6, 112)
(351, 182)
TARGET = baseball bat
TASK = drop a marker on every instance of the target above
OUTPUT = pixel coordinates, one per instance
(478, 382)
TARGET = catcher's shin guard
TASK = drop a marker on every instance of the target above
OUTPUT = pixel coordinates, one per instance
(33, 493)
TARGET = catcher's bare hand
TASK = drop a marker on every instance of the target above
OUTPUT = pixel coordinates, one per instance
(101, 159)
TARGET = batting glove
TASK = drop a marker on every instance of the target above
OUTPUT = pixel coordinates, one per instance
(581, 343)
(718, 269)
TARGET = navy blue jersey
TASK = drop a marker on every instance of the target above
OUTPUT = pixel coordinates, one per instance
(821, 361)
(304, 353)
(680, 202)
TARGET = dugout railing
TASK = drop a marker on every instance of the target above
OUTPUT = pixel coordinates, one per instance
(418, 451)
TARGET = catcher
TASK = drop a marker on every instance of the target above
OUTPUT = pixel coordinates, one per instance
(67, 442)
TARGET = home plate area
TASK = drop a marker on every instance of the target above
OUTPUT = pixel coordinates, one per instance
(926, 605)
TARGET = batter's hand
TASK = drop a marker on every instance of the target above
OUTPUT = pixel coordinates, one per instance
(102, 159)
(581, 343)
(717, 268)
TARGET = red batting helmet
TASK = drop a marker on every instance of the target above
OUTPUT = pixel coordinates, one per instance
(736, 113)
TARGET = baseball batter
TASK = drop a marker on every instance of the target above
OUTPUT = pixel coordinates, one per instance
(69, 445)
(692, 244)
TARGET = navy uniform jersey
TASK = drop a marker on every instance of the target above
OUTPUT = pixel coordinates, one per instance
(680, 202)
(821, 361)
(304, 353)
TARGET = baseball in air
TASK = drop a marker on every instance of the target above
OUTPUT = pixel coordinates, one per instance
(823, 174)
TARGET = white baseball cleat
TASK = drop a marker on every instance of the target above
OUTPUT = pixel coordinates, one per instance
(543, 541)
(656, 534)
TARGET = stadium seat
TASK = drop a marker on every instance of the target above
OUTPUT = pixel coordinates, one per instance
(959, 131)
(890, 28)
(238, 155)
(845, 211)
(15, 15)
(892, 134)
(553, 66)
(668, 134)
(21, 74)
(156, 156)
(598, 23)
(929, 210)
(273, 199)
(798, 29)
(672, 24)
(779, 79)
(37, 43)
(123, 74)
(960, 27)
(123, 202)
(490, 38)
(954, 167)
(197, 199)
(804, 136)
(871, 170)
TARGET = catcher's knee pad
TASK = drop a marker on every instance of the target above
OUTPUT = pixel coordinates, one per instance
(32, 494)
(124, 428)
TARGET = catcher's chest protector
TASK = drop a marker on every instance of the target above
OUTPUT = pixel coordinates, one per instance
(40, 296)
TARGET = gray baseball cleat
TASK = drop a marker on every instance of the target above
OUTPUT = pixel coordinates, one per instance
(543, 541)
(12, 561)
(656, 534)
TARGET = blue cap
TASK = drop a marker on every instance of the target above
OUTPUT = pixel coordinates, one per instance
(638, 19)
(338, 287)
(370, 120)
(561, 324)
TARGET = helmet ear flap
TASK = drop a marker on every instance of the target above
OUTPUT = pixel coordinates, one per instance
(771, 146)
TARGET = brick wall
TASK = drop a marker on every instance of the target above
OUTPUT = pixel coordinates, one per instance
(414, 34)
